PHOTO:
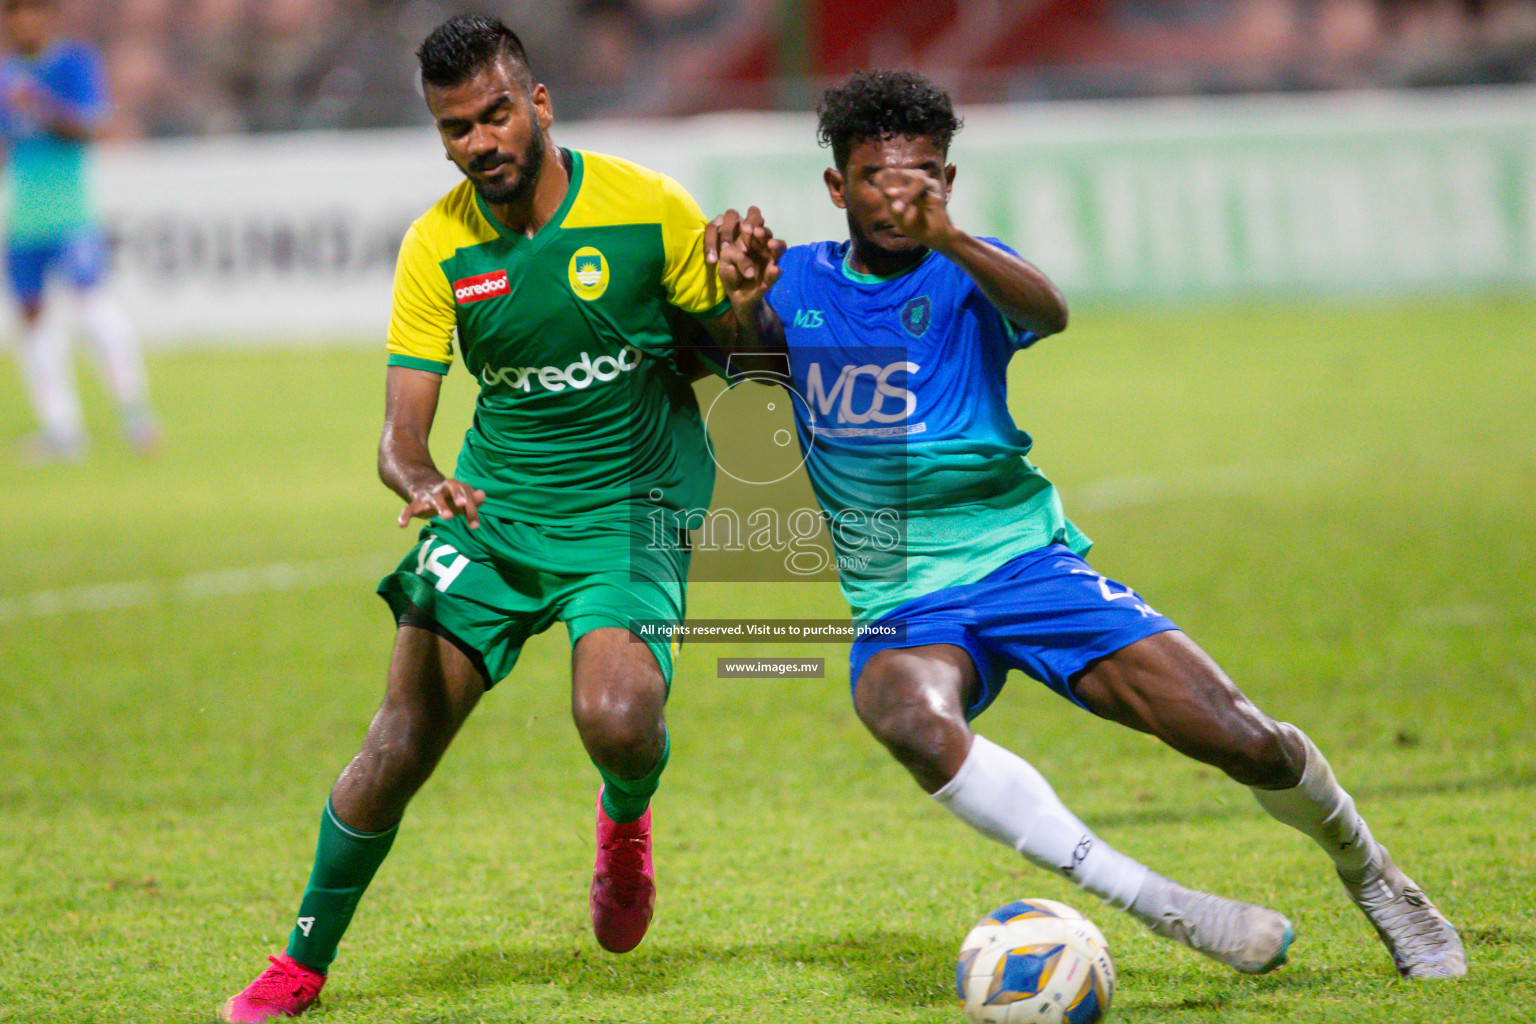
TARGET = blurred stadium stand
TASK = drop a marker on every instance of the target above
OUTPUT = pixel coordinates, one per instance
(185, 67)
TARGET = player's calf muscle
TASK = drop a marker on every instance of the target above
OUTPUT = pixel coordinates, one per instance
(1249, 751)
(1264, 760)
(397, 758)
(1167, 686)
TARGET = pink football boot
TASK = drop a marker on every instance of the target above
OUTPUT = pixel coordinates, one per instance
(623, 881)
(286, 989)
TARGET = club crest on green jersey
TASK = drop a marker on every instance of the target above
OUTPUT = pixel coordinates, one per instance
(915, 315)
(588, 273)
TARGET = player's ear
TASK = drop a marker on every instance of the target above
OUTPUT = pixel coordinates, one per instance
(543, 106)
(834, 179)
(949, 180)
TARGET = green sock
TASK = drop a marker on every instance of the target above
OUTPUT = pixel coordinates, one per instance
(626, 799)
(345, 860)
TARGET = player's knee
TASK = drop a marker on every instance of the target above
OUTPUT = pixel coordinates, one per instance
(910, 724)
(619, 727)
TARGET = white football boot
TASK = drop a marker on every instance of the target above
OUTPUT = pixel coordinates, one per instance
(1422, 942)
(1247, 938)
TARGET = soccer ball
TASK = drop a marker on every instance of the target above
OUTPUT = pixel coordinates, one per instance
(1035, 962)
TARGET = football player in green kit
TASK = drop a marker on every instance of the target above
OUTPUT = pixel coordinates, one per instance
(558, 270)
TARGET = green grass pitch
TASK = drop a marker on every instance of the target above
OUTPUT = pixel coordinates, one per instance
(1335, 500)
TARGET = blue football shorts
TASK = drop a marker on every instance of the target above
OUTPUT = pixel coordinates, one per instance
(80, 256)
(1045, 613)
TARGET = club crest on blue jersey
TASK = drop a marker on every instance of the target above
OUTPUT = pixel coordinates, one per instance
(916, 314)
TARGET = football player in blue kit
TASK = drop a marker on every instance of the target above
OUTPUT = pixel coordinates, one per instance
(960, 564)
(53, 102)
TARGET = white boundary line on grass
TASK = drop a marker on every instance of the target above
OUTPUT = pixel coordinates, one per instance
(1102, 496)
(201, 586)
(1150, 488)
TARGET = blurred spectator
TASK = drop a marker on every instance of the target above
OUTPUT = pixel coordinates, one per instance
(611, 36)
(1346, 35)
(190, 66)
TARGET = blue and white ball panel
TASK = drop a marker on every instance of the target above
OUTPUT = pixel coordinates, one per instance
(1093, 1001)
(963, 966)
(1022, 972)
(1024, 909)
(1035, 962)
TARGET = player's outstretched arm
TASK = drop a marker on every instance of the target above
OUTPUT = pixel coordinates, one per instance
(405, 460)
(71, 119)
(1025, 296)
(745, 255)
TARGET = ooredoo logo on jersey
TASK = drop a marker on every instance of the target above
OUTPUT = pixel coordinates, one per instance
(580, 374)
(481, 287)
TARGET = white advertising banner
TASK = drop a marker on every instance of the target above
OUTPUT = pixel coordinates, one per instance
(284, 239)
(265, 238)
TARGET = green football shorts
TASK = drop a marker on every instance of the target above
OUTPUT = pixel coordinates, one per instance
(493, 587)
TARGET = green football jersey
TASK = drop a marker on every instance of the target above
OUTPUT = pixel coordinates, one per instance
(582, 415)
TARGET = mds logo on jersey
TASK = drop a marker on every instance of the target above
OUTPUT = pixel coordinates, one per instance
(588, 273)
(481, 287)
(862, 394)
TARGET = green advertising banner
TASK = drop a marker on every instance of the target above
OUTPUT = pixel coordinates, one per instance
(1392, 192)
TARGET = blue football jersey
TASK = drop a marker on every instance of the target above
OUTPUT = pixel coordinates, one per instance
(49, 175)
(900, 397)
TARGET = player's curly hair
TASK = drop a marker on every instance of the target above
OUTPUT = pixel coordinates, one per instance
(466, 44)
(879, 104)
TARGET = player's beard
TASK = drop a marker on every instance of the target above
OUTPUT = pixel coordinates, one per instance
(867, 247)
(529, 163)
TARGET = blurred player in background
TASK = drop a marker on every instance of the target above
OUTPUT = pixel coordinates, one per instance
(559, 272)
(899, 343)
(52, 101)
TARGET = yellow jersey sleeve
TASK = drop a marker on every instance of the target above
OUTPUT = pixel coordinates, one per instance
(423, 316)
(690, 284)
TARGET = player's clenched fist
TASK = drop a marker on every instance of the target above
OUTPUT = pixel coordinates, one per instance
(444, 499)
(915, 202)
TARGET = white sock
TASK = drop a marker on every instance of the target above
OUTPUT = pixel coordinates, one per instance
(1004, 798)
(49, 375)
(1319, 807)
(117, 349)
